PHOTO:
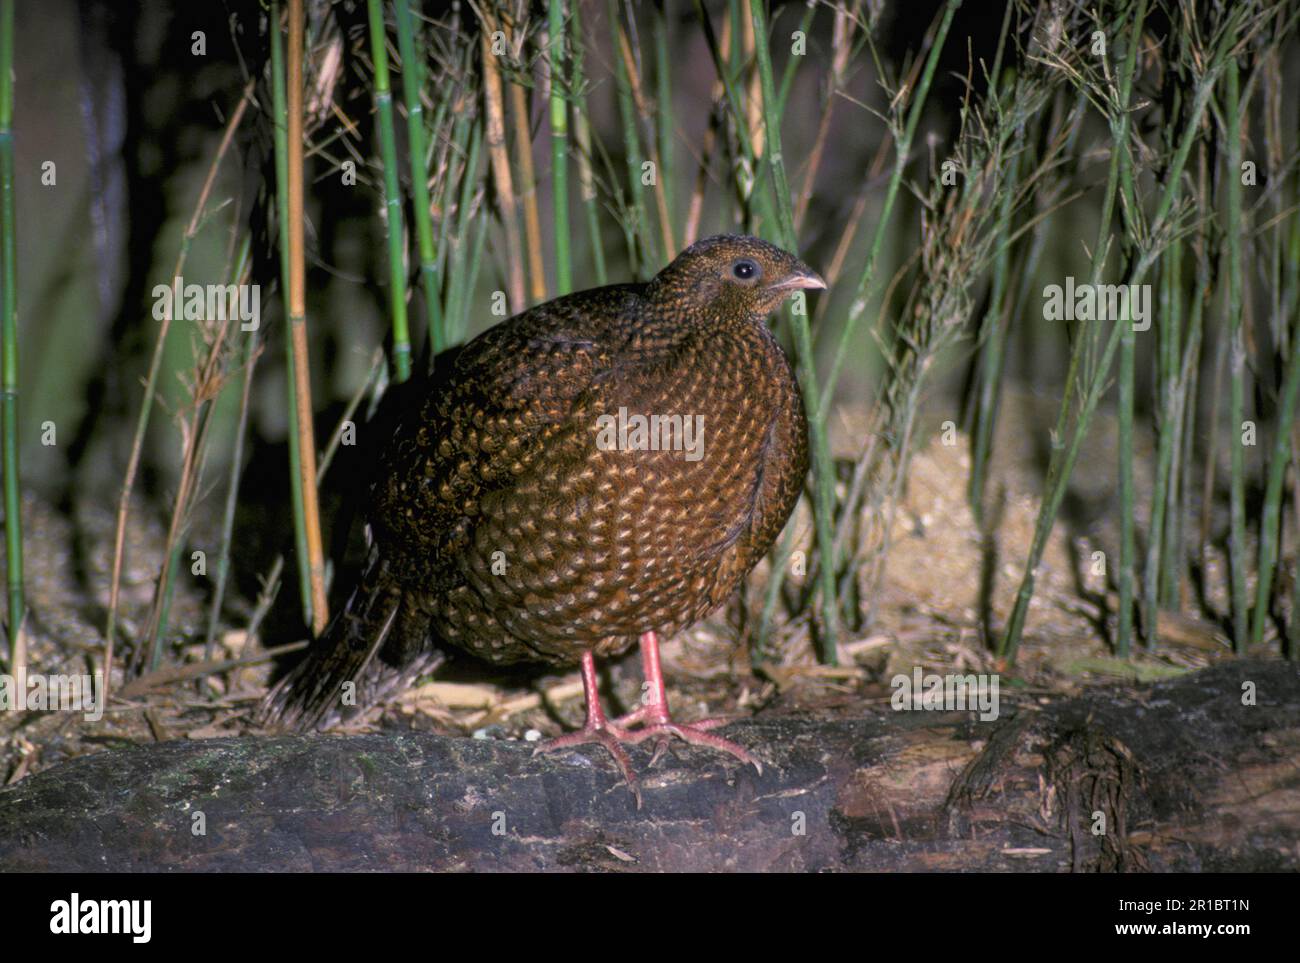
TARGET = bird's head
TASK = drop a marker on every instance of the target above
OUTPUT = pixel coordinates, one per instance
(732, 277)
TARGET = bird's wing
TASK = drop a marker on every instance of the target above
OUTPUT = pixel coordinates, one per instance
(512, 391)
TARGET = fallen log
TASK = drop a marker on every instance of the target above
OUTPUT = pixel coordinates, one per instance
(1191, 774)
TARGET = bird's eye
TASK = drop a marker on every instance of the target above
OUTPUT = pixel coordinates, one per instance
(745, 269)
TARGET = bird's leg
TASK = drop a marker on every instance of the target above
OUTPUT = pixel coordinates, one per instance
(597, 730)
(656, 721)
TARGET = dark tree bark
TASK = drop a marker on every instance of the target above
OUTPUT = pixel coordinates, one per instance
(1181, 775)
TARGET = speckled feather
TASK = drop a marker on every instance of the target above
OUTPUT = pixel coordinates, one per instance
(501, 527)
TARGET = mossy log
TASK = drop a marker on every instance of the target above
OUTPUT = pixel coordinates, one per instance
(1182, 775)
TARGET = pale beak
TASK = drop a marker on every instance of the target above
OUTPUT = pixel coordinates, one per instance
(803, 278)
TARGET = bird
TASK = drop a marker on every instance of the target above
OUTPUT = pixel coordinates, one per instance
(598, 471)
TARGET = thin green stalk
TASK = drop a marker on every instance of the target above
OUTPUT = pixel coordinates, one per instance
(1173, 582)
(1272, 511)
(412, 85)
(392, 195)
(993, 337)
(459, 289)
(823, 465)
(753, 197)
(1057, 485)
(9, 294)
(1236, 367)
(1169, 322)
(246, 362)
(641, 247)
(902, 150)
(1127, 368)
(559, 149)
(280, 106)
(793, 63)
(1061, 464)
(664, 115)
(1127, 527)
(582, 137)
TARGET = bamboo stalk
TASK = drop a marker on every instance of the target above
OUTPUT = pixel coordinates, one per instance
(640, 244)
(559, 149)
(248, 361)
(392, 194)
(281, 107)
(665, 116)
(412, 85)
(528, 193)
(298, 324)
(9, 336)
(494, 106)
(459, 287)
(1237, 367)
(647, 118)
(1168, 381)
(1127, 370)
(695, 209)
(1057, 481)
(1282, 443)
(823, 466)
(582, 138)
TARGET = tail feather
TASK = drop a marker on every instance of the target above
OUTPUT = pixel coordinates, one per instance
(345, 672)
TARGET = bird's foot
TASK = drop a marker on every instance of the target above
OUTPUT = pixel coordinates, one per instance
(659, 726)
(606, 734)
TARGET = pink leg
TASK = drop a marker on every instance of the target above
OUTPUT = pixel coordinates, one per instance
(597, 730)
(658, 723)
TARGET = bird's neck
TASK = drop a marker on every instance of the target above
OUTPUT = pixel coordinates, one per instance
(667, 326)
(665, 339)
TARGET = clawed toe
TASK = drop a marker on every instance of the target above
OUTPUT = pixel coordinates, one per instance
(608, 736)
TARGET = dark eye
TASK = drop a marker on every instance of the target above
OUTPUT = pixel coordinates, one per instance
(745, 269)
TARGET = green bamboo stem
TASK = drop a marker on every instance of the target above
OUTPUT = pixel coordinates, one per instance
(280, 106)
(559, 149)
(296, 298)
(1057, 483)
(247, 359)
(993, 337)
(757, 201)
(1236, 367)
(1268, 535)
(9, 335)
(458, 288)
(1061, 464)
(1170, 320)
(582, 138)
(793, 63)
(1173, 581)
(1127, 366)
(823, 465)
(412, 85)
(392, 195)
(1280, 458)
(664, 114)
(641, 246)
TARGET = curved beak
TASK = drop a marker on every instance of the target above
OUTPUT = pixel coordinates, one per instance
(801, 278)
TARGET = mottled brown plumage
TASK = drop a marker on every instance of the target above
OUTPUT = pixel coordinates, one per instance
(504, 523)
